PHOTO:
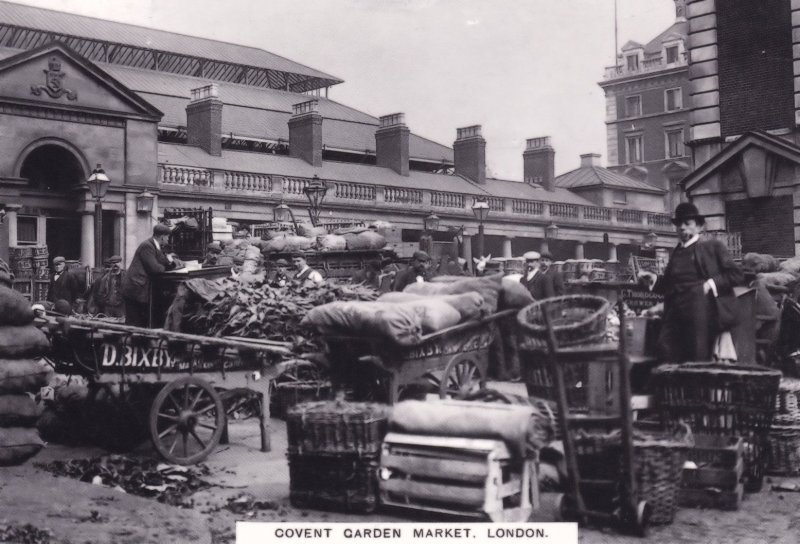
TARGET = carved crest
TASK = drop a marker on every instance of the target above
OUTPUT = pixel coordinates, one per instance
(54, 82)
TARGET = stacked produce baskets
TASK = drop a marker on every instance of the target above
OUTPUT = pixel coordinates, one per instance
(784, 436)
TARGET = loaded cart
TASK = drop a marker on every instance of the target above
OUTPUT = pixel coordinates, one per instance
(176, 388)
(454, 360)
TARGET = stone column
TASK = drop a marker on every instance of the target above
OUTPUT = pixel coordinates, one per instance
(544, 247)
(466, 250)
(11, 220)
(579, 250)
(507, 247)
(612, 252)
(87, 239)
(129, 231)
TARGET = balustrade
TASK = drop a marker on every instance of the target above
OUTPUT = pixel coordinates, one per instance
(402, 196)
(594, 213)
(659, 220)
(243, 181)
(354, 191)
(184, 175)
(629, 216)
(527, 207)
(447, 200)
(294, 186)
(568, 211)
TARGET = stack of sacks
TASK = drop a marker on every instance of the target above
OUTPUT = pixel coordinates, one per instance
(331, 242)
(367, 239)
(402, 318)
(285, 242)
(308, 231)
(21, 376)
(759, 262)
(488, 287)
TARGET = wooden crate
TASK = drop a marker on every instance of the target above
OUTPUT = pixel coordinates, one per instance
(711, 497)
(715, 482)
(467, 477)
(24, 286)
(40, 290)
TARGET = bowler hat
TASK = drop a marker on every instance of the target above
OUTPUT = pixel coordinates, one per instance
(159, 229)
(532, 256)
(685, 211)
(421, 256)
(57, 260)
(546, 255)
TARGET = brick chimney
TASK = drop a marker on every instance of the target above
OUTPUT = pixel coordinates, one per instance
(469, 153)
(539, 162)
(680, 10)
(305, 132)
(391, 143)
(204, 120)
(590, 159)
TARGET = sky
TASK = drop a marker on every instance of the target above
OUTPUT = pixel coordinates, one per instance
(519, 68)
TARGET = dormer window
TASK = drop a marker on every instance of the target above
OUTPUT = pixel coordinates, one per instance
(632, 62)
(672, 53)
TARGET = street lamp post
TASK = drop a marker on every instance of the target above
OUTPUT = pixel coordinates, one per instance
(430, 225)
(315, 192)
(481, 210)
(550, 233)
(283, 214)
(98, 184)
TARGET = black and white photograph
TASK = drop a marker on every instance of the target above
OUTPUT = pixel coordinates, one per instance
(405, 271)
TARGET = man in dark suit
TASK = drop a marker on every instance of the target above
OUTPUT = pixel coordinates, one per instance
(541, 281)
(553, 282)
(417, 271)
(698, 272)
(148, 261)
(64, 285)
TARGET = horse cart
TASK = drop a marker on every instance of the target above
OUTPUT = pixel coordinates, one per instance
(454, 361)
(178, 389)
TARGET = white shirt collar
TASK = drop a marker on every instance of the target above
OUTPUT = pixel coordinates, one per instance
(306, 267)
(531, 274)
(690, 241)
(158, 246)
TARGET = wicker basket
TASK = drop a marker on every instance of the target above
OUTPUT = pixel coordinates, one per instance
(336, 427)
(784, 436)
(346, 483)
(722, 399)
(292, 393)
(658, 464)
(576, 319)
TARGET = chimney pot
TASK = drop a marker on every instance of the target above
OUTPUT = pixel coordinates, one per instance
(468, 132)
(469, 153)
(392, 120)
(204, 119)
(305, 132)
(539, 162)
(590, 159)
(538, 143)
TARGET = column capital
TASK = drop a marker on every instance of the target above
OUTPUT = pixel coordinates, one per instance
(13, 207)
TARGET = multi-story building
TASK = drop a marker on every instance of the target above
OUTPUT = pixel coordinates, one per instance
(197, 122)
(647, 109)
(745, 91)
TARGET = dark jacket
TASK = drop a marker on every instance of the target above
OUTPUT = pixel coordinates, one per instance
(69, 286)
(407, 276)
(147, 262)
(544, 284)
(713, 262)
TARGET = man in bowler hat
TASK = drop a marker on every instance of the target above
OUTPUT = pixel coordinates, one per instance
(148, 261)
(698, 272)
(64, 285)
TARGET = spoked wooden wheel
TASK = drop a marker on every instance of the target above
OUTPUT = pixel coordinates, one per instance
(187, 420)
(462, 377)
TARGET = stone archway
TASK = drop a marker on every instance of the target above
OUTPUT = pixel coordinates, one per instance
(51, 167)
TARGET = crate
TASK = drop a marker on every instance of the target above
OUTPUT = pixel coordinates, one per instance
(711, 497)
(41, 273)
(345, 483)
(716, 482)
(466, 477)
(292, 393)
(41, 252)
(336, 427)
(40, 290)
(23, 286)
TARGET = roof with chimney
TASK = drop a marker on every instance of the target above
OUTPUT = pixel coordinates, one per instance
(28, 27)
(530, 191)
(679, 30)
(591, 176)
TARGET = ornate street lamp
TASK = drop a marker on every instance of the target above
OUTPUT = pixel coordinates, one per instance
(650, 239)
(283, 214)
(315, 192)
(431, 223)
(551, 231)
(480, 208)
(98, 184)
(145, 202)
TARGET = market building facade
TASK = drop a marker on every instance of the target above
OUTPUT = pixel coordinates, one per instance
(183, 122)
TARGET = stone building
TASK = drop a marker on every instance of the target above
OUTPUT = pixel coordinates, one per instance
(647, 109)
(197, 122)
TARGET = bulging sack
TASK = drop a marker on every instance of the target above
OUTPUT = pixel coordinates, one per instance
(435, 313)
(372, 240)
(27, 341)
(18, 411)
(488, 287)
(18, 444)
(396, 322)
(14, 308)
(514, 295)
(332, 242)
(23, 375)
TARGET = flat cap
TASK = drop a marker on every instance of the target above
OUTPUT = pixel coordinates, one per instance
(281, 262)
(421, 256)
(59, 259)
(159, 229)
(547, 255)
(532, 256)
(114, 259)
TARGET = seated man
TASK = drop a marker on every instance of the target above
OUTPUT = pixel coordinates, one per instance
(418, 270)
(303, 271)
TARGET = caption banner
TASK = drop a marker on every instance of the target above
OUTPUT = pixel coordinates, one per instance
(248, 532)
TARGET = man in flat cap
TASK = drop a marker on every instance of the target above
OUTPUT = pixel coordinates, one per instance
(64, 285)
(105, 296)
(148, 261)
(281, 277)
(213, 251)
(418, 270)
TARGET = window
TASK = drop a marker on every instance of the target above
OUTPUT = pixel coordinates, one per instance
(619, 197)
(672, 54)
(633, 106)
(633, 146)
(632, 62)
(675, 143)
(673, 99)
(27, 230)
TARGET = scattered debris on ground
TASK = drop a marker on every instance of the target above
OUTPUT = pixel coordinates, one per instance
(24, 534)
(168, 484)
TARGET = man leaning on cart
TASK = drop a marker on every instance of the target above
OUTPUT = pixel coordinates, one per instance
(148, 261)
(699, 303)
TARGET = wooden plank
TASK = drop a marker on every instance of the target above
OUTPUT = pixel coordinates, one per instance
(711, 498)
(450, 494)
(712, 477)
(474, 444)
(386, 501)
(511, 487)
(443, 468)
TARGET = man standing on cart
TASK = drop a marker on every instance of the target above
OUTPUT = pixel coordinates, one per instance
(148, 261)
(699, 278)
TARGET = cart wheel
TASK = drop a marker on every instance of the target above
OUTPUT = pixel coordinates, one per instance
(564, 510)
(461, 378)
(186, 420)
(640, 523)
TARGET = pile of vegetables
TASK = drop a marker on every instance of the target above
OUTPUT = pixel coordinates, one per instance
(253, 310)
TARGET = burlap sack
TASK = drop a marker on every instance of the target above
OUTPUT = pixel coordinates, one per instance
(27, 341)
(371, 239)
(18, 411)
(436, 314)
(331, 242)
(488, 287)
(23, 375)
(396, 322)
(514, 295)
(18, 444)
(14, 308)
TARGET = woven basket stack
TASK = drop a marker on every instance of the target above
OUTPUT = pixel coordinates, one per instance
(784, 436)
